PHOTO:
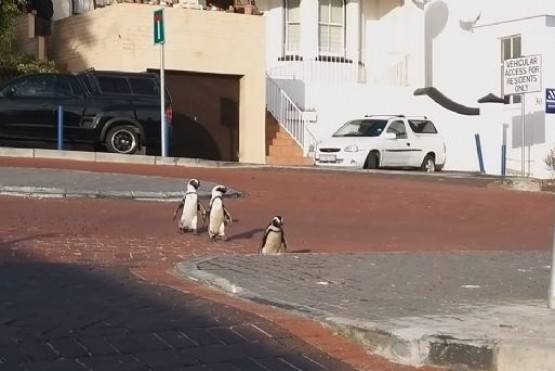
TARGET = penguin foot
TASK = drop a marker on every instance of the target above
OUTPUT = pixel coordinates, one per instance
(224, 237)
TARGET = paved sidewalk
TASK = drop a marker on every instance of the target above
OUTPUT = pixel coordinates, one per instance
(482, 310)
(38, 182)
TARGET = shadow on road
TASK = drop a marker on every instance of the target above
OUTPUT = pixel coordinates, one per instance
(247, 234)
(81, 317)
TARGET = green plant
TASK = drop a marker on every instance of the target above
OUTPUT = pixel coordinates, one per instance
(13, 64)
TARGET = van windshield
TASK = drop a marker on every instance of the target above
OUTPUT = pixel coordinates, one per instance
(361, 128)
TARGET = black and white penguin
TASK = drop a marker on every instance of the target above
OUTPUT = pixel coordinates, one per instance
(273, 242)
(219, 216)
(191, 207)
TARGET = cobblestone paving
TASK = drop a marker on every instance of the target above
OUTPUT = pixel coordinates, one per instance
(73, 303)
(379, 286)
(76, 181)
(60, 317)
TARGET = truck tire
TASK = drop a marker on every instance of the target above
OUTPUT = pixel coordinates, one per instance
(122, 139)
(372, 161)
(429, 164)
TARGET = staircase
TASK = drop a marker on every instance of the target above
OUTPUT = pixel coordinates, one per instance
(281, 148)
(288, 139)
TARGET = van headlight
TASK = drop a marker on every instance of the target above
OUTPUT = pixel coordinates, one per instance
(351, 148)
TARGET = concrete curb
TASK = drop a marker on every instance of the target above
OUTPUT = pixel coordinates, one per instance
(45, 192)
(411, 346)
(103, 157)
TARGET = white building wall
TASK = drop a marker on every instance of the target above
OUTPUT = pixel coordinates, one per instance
(465, 67)
(392, 37)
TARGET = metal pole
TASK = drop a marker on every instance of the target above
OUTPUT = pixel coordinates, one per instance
(523, 133)
(479, 151)
(162, 104)
(504, 152)
(551, 295)
(60, 128)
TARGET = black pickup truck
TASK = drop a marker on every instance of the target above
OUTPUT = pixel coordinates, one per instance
(116, 110)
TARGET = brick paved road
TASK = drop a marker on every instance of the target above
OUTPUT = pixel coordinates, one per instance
(60, 317)
(324, 212)
(58, 248)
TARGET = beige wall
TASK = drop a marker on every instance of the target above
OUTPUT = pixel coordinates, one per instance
(120, 37)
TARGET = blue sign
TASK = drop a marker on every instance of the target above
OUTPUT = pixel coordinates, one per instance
(549, 100)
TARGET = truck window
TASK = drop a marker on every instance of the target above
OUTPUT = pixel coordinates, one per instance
(75, 86)
(422, 127)
(40, 86)
(142, 86)
(113, 85)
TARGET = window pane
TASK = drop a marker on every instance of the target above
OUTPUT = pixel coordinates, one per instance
(516, 47)
(35, 86)
(116, 85)
(336, 39)
(324, 38)
(398, 127)
(293, 37)
(61, 87)
(75, 85)
(324, 11)
(293, 11)
(143, 86)
(337, 11)
(422, 127)
(506, 46)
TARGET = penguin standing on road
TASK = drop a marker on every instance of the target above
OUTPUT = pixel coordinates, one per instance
(273, 242)
(190, 206)
(219, 216)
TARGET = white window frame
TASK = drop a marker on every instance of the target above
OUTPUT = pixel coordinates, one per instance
(515, 98)
(286, 47)
(330, 24)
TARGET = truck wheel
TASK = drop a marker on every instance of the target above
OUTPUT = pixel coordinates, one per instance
(429, 164)
(372, 161)
(122, 139)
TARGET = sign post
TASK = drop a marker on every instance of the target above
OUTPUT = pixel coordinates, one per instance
(159, 38)
(521, 76)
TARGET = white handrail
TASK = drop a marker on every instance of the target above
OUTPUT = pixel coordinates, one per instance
(288, 115)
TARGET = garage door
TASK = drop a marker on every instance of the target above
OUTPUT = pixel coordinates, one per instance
(205, 115)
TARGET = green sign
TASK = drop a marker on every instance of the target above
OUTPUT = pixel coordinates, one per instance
(159, 26)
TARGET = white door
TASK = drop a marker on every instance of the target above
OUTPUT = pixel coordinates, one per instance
(397, 152)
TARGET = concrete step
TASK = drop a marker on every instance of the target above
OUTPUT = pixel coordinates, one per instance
(294, 161)
(284, 152)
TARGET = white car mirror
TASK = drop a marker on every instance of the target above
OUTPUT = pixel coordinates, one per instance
(390, 136)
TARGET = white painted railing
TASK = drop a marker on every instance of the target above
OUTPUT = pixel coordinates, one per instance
(318, 68)
(290, 116)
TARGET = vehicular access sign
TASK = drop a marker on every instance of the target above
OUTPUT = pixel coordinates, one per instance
(522, 75)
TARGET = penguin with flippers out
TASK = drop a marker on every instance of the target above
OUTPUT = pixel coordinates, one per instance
(273, 241)
(191, 207)
(219, 217)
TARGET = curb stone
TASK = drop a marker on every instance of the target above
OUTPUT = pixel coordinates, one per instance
(414, 347)
(45, 192)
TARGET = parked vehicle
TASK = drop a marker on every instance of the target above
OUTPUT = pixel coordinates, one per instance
(116, 110)
(384, 141)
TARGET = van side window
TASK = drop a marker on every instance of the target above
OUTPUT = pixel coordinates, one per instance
(422, 127)
(398, 128)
